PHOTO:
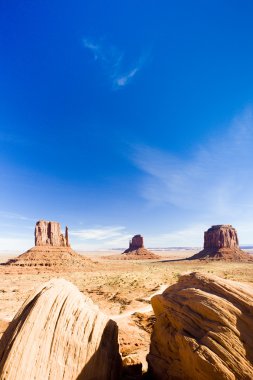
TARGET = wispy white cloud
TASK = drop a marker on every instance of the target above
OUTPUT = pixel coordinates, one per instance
(213, 184)
(15, 245)
(14, 216)
(124, 79)
(109, 235)
(114, 63)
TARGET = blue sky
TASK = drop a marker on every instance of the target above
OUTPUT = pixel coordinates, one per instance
(119, 118)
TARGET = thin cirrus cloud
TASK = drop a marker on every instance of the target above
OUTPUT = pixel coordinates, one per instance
(14, 216)
(214, 183)
(113, 62)
(109, 234)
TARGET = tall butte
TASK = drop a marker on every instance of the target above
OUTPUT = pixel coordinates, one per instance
(49, 233)
(137, 251)
(52, 249)
(221, 243)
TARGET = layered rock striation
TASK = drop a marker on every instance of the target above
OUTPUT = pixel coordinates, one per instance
(221, 243)
(49, 233)
(60, 334)
(137, 250)
(203, 330)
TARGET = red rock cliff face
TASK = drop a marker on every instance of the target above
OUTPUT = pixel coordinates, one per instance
(221, 236)
(221, 243)
(49, 233)
(136, 243)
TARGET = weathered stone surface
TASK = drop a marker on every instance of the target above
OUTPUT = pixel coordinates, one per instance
(49, 233)
(221, 236)
(60, 334)
(221, 242)
(3, 326)
(203, 330)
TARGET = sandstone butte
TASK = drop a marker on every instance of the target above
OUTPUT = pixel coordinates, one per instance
(52, 249)
(137, 251)
(49, 234)
(221, 243)
(204, 330)
(60, 334)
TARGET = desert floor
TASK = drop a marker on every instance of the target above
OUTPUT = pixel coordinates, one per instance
(121, 288)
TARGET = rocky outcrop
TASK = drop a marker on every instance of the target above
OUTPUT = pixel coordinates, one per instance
(49, 233)
(203, 330)
(137, 251)
(60, 334)
(221, 243)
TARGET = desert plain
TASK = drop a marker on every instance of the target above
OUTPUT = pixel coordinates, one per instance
(121, 288)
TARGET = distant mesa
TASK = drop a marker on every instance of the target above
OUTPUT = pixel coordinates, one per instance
(137, 251)
(52, 249)
(135, 243)
(221, 243)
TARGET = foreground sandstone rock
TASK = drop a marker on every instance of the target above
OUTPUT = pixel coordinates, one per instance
(60, 334)
(203, 330)
(221, 243)
(49, 233)
(3, 327)
(137, 251)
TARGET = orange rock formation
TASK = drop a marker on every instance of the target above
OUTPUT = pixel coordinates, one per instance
(221, 243)
(137, 251)
(52, 249)
(49, 233)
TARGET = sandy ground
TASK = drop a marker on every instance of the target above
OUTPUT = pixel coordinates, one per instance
(122, 289)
